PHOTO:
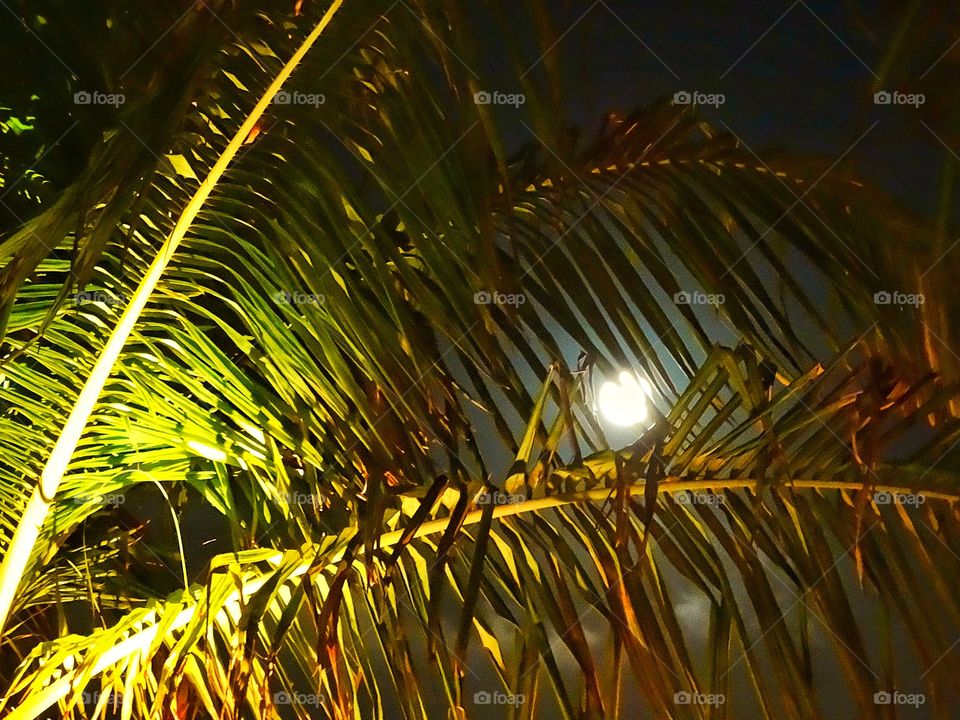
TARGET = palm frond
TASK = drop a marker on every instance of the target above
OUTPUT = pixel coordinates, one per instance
(381, 307)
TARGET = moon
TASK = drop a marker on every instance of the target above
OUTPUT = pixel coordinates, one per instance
(624, 402)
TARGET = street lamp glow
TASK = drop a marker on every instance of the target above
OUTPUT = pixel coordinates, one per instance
(624, 402)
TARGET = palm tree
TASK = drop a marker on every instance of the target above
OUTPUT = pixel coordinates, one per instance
(320, 293)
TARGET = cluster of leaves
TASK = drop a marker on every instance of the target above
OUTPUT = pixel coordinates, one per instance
(316, 334)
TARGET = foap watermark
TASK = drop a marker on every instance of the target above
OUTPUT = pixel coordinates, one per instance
(483, 297)
(685, 497)
(85, 97)
(303, 498)
(695, 97)
(299, 698)
(93, 697)
(485, 97)
(698, 298)
(285, 97)
(896, 297)
(285, 297)
(108, 500)
(883, 697)
(482, 697)
(695, 698)
(885, 97)
(499, 497)
(97, 296)
(892, 498)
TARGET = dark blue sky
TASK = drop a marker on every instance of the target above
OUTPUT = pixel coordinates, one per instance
(795, 75)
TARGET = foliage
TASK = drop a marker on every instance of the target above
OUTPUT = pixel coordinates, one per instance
(316, 334)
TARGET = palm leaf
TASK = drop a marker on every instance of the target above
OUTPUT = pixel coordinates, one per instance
(318, 331)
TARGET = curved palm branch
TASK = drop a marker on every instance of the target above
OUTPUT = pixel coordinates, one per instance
(317, 334)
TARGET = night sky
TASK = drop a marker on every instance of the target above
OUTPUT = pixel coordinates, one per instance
(797, 76)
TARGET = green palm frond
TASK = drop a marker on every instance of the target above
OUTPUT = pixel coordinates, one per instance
(324, 330)
(739, 546)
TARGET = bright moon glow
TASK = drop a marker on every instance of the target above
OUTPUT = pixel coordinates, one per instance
(625, 402)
